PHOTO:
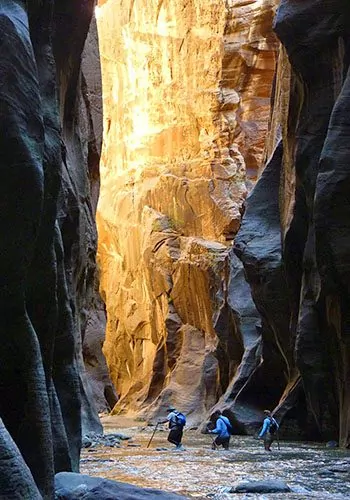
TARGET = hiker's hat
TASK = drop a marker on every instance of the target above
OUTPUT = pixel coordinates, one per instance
(267, 412)
(171, 408)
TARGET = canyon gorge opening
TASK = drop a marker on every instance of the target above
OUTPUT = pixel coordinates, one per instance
(186, 103)
(206, 309)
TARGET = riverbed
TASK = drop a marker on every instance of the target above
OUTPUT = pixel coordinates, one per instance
(312, 470)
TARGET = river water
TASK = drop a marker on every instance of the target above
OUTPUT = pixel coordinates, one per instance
(312, 470)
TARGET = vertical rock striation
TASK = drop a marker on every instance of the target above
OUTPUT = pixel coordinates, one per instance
(309, 133)
(47, 239)
(186, 89)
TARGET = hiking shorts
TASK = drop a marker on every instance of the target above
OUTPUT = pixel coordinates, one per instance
(175, 436)
(224, 441)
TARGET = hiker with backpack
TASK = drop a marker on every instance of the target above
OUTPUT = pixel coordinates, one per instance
(223, 429)
(269, 430)
(177, 422)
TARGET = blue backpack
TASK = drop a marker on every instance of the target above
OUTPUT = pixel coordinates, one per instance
(228, 426)
(180, 419)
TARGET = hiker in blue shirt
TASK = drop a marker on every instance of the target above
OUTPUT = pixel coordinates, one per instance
(270, 427)
(177, 422)
(223, 431)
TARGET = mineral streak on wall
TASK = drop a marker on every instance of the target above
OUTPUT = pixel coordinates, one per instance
(186, 89)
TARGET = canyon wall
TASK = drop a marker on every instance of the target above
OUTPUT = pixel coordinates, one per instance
(49, 152)
(294, 239)
(186, 96)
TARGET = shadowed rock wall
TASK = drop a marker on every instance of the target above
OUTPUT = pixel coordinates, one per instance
(296, 250)
(186, 89)
(48, 241)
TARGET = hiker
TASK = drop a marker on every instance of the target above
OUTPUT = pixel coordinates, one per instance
(177, 422)
(270, 427)
(223, 429)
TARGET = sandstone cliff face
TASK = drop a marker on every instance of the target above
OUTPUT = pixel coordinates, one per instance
(48, 241)
(295, 251)
(186, 91)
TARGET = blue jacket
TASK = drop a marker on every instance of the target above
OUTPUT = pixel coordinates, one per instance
(221, 428)
(266, 426)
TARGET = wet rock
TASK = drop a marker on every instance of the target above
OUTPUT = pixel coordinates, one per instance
(332, 444)
(122, 437)
(86, 442)
(16, 480)
(330, 471)
(112, 440)
(301, 490)
(264, 486)
(71, 486)
(223, 493)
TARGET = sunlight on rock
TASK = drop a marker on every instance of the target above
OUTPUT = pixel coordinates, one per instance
(186, 98)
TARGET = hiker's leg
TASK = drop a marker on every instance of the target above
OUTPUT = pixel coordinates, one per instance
(220, 441)
(171, 437)
(267, 443)
(226, 443)
(175, 437)
(271, 440)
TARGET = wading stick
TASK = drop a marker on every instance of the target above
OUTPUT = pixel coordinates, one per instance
(150, 441)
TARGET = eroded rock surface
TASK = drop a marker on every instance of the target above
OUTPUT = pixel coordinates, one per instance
(70, 486)
(310, 228)
(186, 90)
(48, 242)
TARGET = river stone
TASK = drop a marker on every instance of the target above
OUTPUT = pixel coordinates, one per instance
(329, 471)
(72, 486)
(332, 444)
(86, 442)
(118, 435)
(263, 486)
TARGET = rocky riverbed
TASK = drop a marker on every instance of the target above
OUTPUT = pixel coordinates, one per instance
(310, 470)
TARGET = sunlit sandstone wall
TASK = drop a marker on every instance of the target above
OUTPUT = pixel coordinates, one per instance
(186, 88)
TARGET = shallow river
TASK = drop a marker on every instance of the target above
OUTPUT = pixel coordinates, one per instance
(199, 472)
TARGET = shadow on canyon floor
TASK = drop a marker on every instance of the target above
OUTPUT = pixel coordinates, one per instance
(199, 472)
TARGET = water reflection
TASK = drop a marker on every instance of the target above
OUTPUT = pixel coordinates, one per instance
(199, 472)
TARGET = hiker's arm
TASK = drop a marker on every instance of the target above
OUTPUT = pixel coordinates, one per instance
(218, 427)
(264, 429)
(214, 431)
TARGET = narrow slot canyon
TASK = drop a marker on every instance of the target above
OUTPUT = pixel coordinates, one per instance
(174, 237)
(186, 100)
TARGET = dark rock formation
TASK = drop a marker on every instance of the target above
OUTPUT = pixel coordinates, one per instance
(47, 241)
(294, 240)
(265, 486)
(16, 480)
(70, 486)
(81, 110)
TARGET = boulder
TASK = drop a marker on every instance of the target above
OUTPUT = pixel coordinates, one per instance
(71, 486)
(263, 486)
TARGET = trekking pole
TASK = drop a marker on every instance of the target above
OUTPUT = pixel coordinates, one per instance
(150, 441)
(213, 437)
